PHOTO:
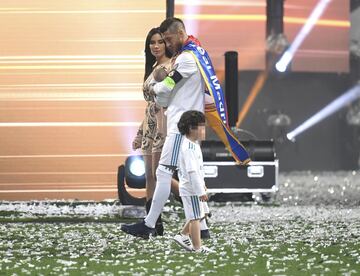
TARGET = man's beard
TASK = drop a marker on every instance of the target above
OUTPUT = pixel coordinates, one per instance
(176, 48)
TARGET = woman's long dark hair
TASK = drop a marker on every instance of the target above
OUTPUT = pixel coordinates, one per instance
(149, 58)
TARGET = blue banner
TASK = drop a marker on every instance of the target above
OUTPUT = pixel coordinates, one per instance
(217, 117)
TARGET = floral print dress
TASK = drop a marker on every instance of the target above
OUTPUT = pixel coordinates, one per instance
(152, 131)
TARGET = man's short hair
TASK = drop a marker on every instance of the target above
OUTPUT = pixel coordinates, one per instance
(190, 119)
(172, 24)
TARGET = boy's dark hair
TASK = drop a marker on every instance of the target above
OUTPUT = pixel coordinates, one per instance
(190, 119)
(171, 24)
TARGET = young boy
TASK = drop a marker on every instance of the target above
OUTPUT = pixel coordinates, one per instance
(191, 180)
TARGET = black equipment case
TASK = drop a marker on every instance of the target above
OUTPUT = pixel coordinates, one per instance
(223, 175)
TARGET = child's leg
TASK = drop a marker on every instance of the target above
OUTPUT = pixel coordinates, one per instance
(186, 228)
(193, 213)
(195, 233)
(183, 238)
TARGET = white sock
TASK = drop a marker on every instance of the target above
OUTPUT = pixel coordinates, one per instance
(206, 207)
(203, 225)
(161, 194)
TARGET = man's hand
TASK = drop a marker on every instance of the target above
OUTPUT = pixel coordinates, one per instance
(203, 197)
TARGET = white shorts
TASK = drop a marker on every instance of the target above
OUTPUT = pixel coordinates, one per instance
(193, 207)
(170, 151)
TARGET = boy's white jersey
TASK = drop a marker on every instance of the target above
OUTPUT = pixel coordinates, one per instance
(188, 93)
(190, 161)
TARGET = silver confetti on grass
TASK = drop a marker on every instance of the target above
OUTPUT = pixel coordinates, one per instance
(321, 232)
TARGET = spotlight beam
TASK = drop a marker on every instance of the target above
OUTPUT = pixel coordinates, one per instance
(284, 61)
(328, 110)
(286, 58)
(259, 84)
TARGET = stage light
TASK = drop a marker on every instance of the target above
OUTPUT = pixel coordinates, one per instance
(137, 167)
(279, 124)
(328, 110)
(286, 58)
(353, 115)
(355, 47)
(290, 137)
(130, 176)
(279, 119)
(135, 171)
(283, 63)
(277, 43)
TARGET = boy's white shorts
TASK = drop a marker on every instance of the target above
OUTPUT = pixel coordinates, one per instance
(193, 207)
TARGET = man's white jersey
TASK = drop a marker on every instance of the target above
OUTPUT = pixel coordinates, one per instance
(188, 93)
(191, 161)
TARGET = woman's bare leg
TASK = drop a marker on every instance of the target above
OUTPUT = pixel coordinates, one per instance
(150, 180)
(175, 187)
